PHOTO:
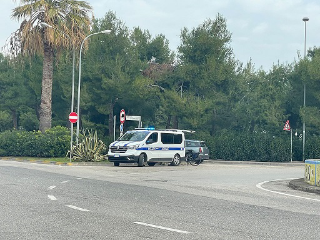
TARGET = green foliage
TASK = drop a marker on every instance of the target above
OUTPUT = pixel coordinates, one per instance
(5, 121)
(232, 106)
(260, 146)
(245, 146)
(29, 121)
(55, 142)
(90, 149)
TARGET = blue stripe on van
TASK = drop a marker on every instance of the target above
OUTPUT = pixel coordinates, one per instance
(159, 149)
(142, 149)
(128, 143)
(115, 143)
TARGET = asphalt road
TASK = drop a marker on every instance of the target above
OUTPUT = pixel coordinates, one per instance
(211, 201)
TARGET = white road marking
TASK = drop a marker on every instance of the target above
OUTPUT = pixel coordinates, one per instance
(65, 181)
(160, 227)
(79, 178)
(259, 185)
(51, 197)
(77, 208)
(51, 187)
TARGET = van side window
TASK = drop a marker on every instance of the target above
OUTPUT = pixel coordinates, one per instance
(152, 138)
(177, 139)
(169, 138)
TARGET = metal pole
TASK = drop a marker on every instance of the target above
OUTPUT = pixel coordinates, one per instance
(79, 83)
(305, 19)
(72, 98)
(114, 127)
(291, 144)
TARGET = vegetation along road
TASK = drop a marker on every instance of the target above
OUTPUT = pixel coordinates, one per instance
(211, 201)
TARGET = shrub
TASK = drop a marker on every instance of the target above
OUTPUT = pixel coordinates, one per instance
(90, 149)
(55, 142)
(246, 146)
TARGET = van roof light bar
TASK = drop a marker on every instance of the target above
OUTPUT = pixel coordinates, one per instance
(149, 128)
(177, 130)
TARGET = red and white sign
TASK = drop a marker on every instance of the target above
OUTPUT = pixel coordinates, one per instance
(122, 116)
(287, 126)
(73, 117)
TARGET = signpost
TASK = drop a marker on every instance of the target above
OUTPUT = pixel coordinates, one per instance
(122, 116)
(73, 118)
(288, 128)
(122, 120)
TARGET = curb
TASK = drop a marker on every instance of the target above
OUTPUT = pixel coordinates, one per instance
(289, 164)
(57, 163)
(301, 185)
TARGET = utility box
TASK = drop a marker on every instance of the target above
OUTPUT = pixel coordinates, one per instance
(312, 172)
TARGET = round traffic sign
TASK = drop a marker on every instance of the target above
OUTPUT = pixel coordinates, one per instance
(122, 116)
(73, 117)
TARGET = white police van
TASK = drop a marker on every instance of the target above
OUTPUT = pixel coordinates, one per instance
(149, 146)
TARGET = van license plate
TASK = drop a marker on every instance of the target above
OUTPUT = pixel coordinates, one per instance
(117, 155)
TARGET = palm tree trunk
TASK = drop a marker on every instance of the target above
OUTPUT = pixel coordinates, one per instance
(46, 89)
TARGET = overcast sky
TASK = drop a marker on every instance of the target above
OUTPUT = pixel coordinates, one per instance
(267, 31)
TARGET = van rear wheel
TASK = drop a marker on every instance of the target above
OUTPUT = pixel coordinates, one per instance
(142, 159)
(176, 160)
(151, 163)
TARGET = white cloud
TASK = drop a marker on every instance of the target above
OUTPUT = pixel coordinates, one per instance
(260, 28)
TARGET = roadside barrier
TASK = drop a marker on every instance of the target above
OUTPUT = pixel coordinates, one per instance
(312, 172)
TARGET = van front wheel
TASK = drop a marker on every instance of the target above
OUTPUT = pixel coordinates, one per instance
(176, 160)
(142, 159)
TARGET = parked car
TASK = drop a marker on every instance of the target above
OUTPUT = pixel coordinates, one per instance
(197, 146)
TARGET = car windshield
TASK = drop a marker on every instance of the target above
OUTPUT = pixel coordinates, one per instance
(134, 136)
(192, 144)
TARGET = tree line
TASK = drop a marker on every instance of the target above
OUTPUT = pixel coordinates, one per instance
(201, 87)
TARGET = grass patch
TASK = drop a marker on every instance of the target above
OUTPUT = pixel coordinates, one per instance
(61, 159)
(35, 159)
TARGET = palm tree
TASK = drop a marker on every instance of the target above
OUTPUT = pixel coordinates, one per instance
(70, 17)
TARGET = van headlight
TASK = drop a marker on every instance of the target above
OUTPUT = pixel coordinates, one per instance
(133, 147)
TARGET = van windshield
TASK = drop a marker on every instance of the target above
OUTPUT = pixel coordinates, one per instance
(134, 136)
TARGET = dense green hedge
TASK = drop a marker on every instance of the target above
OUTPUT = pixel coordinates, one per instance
(55, 142)
(227, 145)
(246, 146)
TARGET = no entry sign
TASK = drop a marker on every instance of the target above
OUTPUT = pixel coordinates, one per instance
(122, 116)
(73, 117)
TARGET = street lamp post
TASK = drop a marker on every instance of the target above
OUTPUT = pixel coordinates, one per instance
(79, 84)
(305, 19)
(72, 91)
